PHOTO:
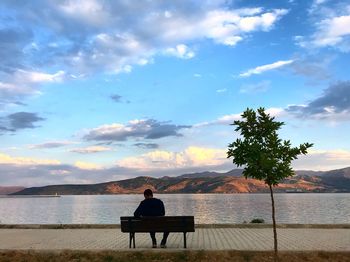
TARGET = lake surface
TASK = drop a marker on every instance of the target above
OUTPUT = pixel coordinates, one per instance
(207, 208)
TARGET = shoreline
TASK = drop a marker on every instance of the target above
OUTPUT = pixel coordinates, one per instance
(28, 196)
(116, 226)
(179, 193)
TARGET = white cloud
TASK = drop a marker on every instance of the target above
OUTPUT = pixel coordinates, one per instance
(227, 119)
(51, 144)
(190, 157)
(331, 23)
(22, 83)
(91, 149)
(315, 68)
(87, 166)
(180, 51)
(60, 172)
(230, 118)
(262, 86)
(125, 69)
(260, 69)
(323, 160)
(138, 128)
(12, 93)
(89, 37)
(6, 159)
(276, 112)
(264, 21)
(333, 105)
(332, 31)
(156, 30)
(316, 4)
(89, 12)
(222, 120)
(38, 77)
(221, 90)
(229, 27)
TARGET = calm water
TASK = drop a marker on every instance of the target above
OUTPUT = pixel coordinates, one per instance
(207, 208)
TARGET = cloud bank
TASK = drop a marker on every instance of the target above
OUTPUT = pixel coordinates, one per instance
(137, 129)
(90, 36)
(51, 144)
(20, 120)
(190, 157)
(331, 26)
(268, 67)
(39, 172)
(90, 149)
(333, 104)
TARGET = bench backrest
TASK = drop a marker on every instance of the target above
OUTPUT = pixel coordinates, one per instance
(157, 224)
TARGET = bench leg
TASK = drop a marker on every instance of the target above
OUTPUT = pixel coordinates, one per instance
(185, 244)
(131, 239)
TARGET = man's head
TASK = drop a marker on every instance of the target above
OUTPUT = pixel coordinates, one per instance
(148, 193)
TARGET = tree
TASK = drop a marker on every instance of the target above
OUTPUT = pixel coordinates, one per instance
(262, 153)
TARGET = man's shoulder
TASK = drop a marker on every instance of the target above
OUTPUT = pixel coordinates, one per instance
(154, 200)
(159, 202)
(151, 200)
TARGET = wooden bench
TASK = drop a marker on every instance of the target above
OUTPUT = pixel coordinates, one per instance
(134, 225)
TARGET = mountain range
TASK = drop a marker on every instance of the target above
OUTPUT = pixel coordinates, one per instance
(4, 190)
(206, 182)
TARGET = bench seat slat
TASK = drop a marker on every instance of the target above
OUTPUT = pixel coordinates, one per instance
(157, 229)
(158, 224)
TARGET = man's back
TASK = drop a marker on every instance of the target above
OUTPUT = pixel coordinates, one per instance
(150, 207)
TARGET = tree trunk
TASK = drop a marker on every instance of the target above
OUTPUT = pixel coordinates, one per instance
(274, 224)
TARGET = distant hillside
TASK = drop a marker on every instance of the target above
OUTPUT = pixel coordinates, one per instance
(337, 179)
(234, 172)
(5, 190)
(310, 173)
(238, 173)
(206, 182)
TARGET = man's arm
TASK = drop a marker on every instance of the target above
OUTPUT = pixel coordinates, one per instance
(162, 209)
(139, 210)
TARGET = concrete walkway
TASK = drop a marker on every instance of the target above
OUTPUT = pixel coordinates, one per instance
(225, 238)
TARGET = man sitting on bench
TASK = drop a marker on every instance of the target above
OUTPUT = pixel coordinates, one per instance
(151, 207)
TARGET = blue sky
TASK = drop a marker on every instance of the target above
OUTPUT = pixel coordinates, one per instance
(92, 91)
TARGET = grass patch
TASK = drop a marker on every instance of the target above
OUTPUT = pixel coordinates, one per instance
(257, 221)
(170, 256)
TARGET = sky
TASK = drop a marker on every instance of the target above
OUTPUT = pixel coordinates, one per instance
(94, 91)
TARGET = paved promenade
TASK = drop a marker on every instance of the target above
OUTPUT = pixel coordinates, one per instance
(226, 238)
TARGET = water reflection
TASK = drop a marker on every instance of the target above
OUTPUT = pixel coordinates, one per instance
(207, 208)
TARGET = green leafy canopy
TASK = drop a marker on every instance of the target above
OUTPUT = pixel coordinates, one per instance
(264, 155)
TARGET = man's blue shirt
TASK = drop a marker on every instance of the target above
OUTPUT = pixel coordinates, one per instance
(150, 207)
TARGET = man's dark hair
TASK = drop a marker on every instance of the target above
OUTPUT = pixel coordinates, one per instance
(148, 192)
